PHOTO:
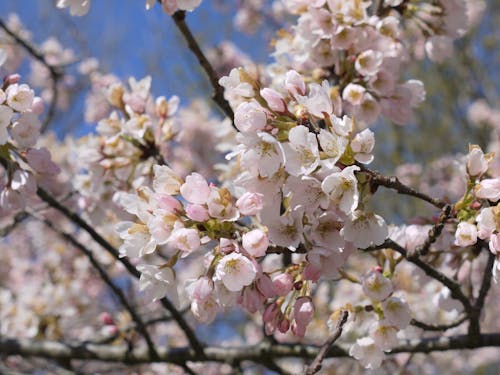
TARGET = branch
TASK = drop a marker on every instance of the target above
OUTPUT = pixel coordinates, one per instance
(55, 71)
(475, 316)
(141, 327)
(315, 366)
(455, 289)
(263, 352)
(434, 233)
(218, 95)
(377, 179)
(73, 217)
(439, 327)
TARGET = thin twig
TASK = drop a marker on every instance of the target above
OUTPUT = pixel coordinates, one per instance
(438, 327)
(455, 289)
(377, 179)
(433, 235)
(315, 366)
(218, 95)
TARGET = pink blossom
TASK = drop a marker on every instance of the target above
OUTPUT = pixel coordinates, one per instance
(197, 212)
(274, 99)
(26, 130)
(283, 283)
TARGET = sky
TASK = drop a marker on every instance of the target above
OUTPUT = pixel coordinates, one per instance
(129, 41)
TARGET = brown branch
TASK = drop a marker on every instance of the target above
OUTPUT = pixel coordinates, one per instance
(439, 327)
(315, 366)
(218, 94)
(55, 71)
(377, 179)
(111, 353)
(165, 302)
(455, 289)
(434, 233)
(475, 316)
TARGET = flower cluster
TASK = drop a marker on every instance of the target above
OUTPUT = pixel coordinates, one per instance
(478, 211)
(394, 315)
(25, 165)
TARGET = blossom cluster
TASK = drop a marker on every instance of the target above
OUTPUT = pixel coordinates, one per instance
(25, 166)
(478, 212)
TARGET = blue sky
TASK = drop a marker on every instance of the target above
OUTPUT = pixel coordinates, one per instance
(130, 41)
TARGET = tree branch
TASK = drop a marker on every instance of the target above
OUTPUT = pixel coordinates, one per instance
(455, 289)
(315, 366)
(439, 327)
(434, 233)
(377, 179)
(108, 353)
(218, 96)
(73, 217)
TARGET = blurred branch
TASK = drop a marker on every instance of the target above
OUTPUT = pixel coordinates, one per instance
(141, 327)
(439, 327)
(257, 353)
(55, 71)
(76, 219)
(218, 96)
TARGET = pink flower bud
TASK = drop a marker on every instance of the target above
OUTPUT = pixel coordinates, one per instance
(37, 107)
(12, 79)
(284, 325)
(197, 212)
(106, 318)
(255, 242)
(251, 299)
(303, 311)
(294, 83)
(283, 284)
(168, 203)
(273, 99)
(270, 313)
(250, 203)
(311, 273)
(195, 189)
(265, 285)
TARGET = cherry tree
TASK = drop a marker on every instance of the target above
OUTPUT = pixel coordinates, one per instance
(255, 213)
